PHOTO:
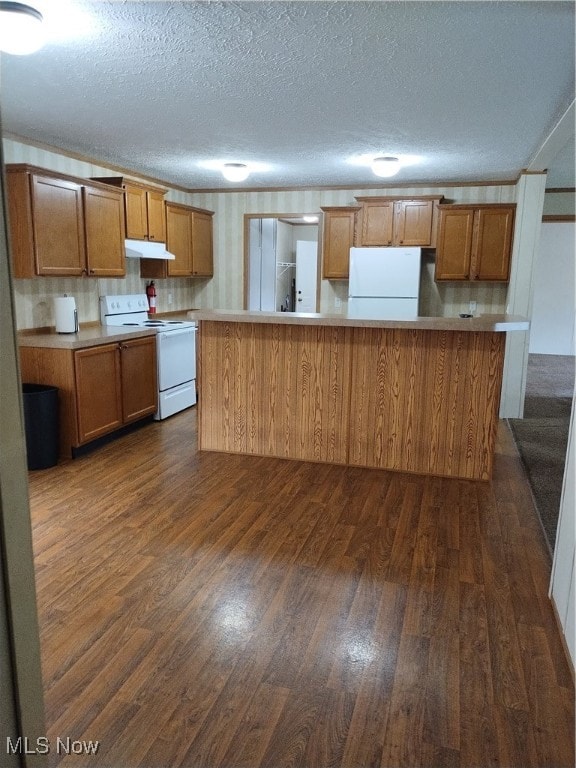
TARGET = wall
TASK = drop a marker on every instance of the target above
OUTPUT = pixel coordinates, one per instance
(554, 303)
(560, 203)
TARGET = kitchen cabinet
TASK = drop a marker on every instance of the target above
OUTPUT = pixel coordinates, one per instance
(338, 236)
(189, 238)
(144, 208)
(101, 388)
(105, 232)
(393, 221)
(475, 242)
(63, 226)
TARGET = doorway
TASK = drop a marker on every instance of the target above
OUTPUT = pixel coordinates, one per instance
(280, 263)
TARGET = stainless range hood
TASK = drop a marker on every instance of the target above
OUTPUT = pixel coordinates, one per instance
(144, 249)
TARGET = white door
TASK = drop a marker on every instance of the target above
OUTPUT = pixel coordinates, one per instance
(306, 275)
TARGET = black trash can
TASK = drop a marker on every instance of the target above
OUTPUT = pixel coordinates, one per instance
(41, 425)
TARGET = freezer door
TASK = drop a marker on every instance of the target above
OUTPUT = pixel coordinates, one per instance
(383, 309)
(386, 272)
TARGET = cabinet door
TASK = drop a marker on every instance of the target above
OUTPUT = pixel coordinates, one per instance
(413, 222)
(139, 387)
(98, 391)
(58, 226)
(202, 254)
(454, 244)
(377, 223)
(105, 233)
(136, 212)
(492, 246)
(156, 216)
(179, 240)
(338, 229)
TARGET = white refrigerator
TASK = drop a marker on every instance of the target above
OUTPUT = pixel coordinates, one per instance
(384, 283)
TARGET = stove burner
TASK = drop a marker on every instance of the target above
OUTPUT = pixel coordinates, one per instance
(129, 323)
(154, 322)
(174, 322)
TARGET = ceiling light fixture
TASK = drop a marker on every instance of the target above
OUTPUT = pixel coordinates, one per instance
(235, 171)
(310, 219)
(20, 28)
(385, 166)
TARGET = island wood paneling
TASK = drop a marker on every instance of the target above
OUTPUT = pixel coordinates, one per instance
(425, 401)
(275, 390)
(412, 400)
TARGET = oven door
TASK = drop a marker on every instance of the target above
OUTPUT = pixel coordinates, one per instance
(176, 357)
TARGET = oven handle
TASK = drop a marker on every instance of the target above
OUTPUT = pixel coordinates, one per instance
(170, 334)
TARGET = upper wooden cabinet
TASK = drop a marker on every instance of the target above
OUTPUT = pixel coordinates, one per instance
(338, 236)
(145, 216)
(189, 238)
(390, 221)
(474, 242)
(105, 233)
(63, 226)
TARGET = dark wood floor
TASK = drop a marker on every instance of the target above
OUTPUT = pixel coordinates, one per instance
(207, 610)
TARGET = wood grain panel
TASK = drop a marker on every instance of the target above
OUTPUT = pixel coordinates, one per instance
(275, 390)
(413, 400)
(425, 401)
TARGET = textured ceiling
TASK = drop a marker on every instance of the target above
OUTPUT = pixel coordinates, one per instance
(302, 90)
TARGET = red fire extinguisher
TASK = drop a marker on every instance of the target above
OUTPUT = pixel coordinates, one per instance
(151, 294)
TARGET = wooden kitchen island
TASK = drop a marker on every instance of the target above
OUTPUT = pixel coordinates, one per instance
(417, 395)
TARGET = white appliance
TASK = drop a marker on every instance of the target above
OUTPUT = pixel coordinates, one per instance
(65, 314)
(384, 283)
(175, 349)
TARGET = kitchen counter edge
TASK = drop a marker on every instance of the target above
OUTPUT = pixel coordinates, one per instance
(86, 337)
(482, 323)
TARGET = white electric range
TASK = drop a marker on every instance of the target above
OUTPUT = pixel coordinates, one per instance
(175, 349)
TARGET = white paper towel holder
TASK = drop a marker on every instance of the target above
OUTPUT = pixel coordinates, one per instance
(66, 314)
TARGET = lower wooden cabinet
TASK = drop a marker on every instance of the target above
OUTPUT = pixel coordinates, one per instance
(101, 388)
(475, 242)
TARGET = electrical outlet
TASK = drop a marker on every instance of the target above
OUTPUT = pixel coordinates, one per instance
(337, 302)
(472, 307)
(170, 299)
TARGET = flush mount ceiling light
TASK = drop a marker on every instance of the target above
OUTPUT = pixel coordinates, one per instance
(310, 219)
(235, 171)
(385, 166)
(20, 28)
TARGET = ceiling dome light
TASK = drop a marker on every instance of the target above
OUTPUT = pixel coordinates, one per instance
(235, 171)
(20, 28)
(385, 166)
(310, 219)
